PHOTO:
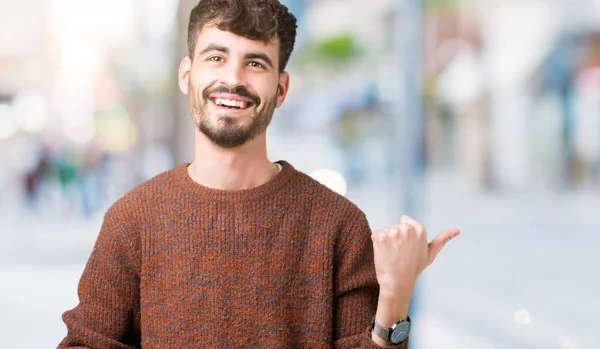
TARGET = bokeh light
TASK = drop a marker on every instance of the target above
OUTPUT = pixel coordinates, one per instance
(522, 317)
(8, 124)
(31, 111)
(331, 179)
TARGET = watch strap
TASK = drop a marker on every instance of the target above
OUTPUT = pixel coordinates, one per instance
(380, 331)
(384, 332)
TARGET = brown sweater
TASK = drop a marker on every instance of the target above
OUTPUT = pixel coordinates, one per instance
(288, 264)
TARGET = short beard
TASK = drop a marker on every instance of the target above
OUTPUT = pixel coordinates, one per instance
(223, 132)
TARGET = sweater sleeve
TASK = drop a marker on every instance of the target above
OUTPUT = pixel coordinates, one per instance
(356, 288)
(107, 316)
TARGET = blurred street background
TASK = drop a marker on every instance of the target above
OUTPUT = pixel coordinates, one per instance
(477, 114)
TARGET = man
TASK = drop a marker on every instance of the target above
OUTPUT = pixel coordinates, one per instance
(233, 250)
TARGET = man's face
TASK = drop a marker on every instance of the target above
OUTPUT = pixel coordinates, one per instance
(233, 86)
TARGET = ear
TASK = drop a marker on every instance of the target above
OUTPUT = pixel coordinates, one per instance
(185, 69)
(282, 88)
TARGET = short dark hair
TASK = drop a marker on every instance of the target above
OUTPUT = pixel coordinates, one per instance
(261, 20)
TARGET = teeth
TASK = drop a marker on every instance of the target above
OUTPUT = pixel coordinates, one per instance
(231, 103)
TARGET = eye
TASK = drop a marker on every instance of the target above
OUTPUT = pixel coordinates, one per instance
(256, 65)
(215, 59)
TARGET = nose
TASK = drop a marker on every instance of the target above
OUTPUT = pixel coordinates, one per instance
(233, 76)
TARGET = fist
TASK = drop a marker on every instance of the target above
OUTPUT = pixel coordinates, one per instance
(402, 253)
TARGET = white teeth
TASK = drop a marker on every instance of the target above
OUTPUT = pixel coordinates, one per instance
(231, 103)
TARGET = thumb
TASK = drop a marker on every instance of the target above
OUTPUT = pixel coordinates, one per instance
(436, 245)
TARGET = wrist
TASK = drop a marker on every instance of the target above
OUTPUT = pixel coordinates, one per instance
(396, 291)
(394, 335)
(392, 306)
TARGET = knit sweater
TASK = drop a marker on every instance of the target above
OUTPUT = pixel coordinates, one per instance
(288, 264)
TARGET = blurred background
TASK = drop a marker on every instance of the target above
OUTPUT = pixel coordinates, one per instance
(477, 114)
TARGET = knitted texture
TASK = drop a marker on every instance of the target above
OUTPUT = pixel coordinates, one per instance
(288, 264)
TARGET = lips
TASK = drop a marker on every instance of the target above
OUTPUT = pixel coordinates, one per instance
(232, 103)
(229, 106)
(232, 99)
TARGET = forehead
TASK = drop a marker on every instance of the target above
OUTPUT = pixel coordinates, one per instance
(210, 34)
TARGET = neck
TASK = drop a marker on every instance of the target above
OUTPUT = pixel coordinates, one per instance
(244, 167)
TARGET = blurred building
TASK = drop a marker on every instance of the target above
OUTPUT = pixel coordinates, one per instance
(508, 89)
(90, 107)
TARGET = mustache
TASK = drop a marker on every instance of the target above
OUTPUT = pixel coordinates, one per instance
(240, 91)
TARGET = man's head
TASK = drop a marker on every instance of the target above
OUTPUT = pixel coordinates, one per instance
(235, 73)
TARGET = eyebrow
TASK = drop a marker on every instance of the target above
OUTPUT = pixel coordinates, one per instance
(262, 56)
(214, 47)
(225, 50)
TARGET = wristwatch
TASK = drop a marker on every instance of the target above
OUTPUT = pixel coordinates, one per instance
(395, 334)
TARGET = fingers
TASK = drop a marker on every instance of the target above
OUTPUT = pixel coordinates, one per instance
(413, 223)
(386, 234)
(405, 231)
(413, 228)
(436, 245)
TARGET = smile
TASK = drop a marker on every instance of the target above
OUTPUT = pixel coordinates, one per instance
(231, 103)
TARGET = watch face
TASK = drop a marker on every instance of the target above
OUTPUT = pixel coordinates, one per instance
(400, 332)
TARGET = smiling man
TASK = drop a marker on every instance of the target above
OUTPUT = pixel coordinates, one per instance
(233, 250)
(241, 115)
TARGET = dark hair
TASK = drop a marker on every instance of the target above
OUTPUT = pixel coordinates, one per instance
(261, 20)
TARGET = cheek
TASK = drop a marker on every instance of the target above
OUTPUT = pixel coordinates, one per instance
(271, 88)
(200, 80)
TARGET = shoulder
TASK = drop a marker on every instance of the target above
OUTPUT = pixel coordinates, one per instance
(138, 199)
(327, 201)
(340, 218)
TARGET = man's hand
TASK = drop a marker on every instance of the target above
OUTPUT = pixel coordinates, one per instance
(401, 254)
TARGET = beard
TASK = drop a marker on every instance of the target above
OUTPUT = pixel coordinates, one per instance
(230, 131)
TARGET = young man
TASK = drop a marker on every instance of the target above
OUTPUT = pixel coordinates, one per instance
(234, 250)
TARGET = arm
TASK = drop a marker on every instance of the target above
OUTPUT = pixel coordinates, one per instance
(356, 291)
(401, 254)
(394, 257)
(107, 315)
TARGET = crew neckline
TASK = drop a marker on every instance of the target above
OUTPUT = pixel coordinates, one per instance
(282, 177)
